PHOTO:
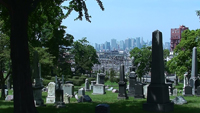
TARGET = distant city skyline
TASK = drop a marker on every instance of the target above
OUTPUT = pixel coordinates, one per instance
(135, 18)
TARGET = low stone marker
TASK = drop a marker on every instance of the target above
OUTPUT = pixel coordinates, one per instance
(66, 98)
(81, 92)
(9, 98)
(102, 108)
(175, 92)
(179, 100)
(99, 89)
(84, 98)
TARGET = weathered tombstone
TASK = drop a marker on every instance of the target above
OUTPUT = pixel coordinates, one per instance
(87, 88)
(101, 78)
(194, 70)
(179, 100)
(9, 98)
(92, 83)
(102, 108)
(99, 89)
(175, 92)
(59, 96)
(37, 87)
(198, 91)
(139, 91)
(69, 89)
(158, 93)
(115, 91)
(145, 88)
(51, 93)
(84, 98)
(188, 91)
(122, 84)
(81, 92)
(66, 98)
(132, 82)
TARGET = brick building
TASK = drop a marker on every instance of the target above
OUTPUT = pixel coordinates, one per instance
(176, 36)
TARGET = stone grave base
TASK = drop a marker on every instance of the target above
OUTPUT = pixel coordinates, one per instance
(131, 94)
(50, 100)
(39, 103)
(98, 93)
(138, 96)
(158, 107)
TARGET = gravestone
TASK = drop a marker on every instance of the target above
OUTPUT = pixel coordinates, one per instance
(198, 91)
(139, 91)
(145, 88)
(59, 96)
(175, 92)
(69, 89)
(188, 91)
(101, 78)
(81, 92)
(70, 82)
(9, 98)
(37, 87)
(102, 108)
(158, 93)
(99, 89)
(179, 100)
(194, 70)
(92, 83)
(132, 82)
(122, 84)
(84, 98)
(51, 93)
(66, 98)
(87, 88)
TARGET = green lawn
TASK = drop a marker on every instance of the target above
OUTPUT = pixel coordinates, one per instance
(116, 106)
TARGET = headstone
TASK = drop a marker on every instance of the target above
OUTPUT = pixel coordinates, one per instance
(99, 89)
(102, 108)
(87, 88)
(188, 91)
(132, 82)
(66, 98)
(59, 103)
(81, 92)
(122, 84)
(51, 93)
(92, 83)
(139, 91)
(145, 88)
(198, 91)
(179, 100)
(38, 86)
(76, 97)
(69, 89)
(84, 98)
(175, 92)
(158, 93)
(9, 98)
(101, 78)
(194, 70)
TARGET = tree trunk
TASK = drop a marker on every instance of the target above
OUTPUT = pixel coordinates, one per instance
(23, 93)
(2, 85)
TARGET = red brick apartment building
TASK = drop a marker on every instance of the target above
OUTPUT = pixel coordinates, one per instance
(176, 36)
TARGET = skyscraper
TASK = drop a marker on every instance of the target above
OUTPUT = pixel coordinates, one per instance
(107, 46)
(113, 44)
(121, 45)
(138, 42)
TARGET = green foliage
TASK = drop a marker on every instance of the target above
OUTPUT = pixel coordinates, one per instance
(84, 55)
(112, 75)
(165, 53)
(142, 59)
(182, 61)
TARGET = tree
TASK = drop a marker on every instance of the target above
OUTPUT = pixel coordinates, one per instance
(182, 60)
(19, 11)
(4, 59)
(84, 55)
(165, 53)
(142, 59)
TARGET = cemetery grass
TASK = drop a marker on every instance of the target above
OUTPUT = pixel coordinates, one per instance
(116, 106)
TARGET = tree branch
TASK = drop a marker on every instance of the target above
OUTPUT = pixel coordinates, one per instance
(8, 74)
(33, 5)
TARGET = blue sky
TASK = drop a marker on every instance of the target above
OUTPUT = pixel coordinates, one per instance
(123, 19)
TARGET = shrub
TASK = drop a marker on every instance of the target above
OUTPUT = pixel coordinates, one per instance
(48, 77)
(77, 82)
(106, 78)
(75, 77)
(46, 82)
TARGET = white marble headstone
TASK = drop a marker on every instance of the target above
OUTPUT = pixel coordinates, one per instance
(51, 93)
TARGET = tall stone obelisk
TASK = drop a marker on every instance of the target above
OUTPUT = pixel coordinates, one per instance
(158, 92)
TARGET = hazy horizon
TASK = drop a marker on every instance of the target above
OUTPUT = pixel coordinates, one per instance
(121, 20)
